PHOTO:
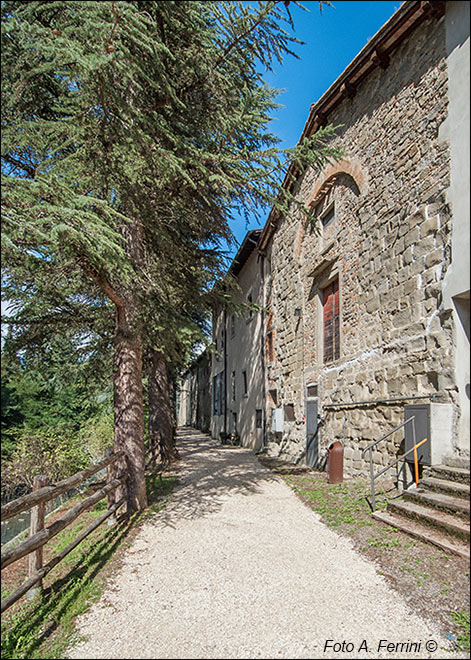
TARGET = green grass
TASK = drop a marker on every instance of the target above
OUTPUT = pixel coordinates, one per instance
(44, 627)
(338, 504)
(461, 619)
(415, 570)
(384, 544)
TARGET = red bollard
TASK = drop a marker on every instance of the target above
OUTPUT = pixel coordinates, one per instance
(335, 463)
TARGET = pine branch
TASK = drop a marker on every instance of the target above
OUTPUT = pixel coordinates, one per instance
(231, 46)
(105, 286)
(11, 160)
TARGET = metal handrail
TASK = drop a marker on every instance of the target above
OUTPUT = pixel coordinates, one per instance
(378, 474)
(373, 444)
(374, 476)
(414, 448)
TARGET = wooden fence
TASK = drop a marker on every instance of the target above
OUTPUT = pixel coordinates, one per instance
(40, 535)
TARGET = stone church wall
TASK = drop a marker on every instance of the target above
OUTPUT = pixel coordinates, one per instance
(388, 244)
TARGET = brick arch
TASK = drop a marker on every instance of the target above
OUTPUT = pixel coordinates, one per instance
(350, 167)
(345, 166)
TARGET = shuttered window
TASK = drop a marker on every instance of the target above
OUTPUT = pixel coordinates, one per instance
(244, 381)
(218, 386)
(331, 321)
(215, 395)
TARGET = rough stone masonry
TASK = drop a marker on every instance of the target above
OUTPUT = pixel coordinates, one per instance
(383, 233)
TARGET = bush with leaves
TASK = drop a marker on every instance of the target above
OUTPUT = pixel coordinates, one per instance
(97, 434)
(57, 454)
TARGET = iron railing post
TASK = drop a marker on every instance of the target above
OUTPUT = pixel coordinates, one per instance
(372, 477)
(369, 449)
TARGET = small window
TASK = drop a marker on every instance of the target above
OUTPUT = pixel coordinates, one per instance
(273, 397)
(289, 412)
(312, 390)
(233, 386)
(218, 385)
(244, 382)
(250, 301)
(258, 418)
(328, 217)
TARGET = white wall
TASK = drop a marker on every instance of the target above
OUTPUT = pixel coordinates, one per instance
(243, 353)
(456, 130)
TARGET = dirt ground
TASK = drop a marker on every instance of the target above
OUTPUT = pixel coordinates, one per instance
(432, 582)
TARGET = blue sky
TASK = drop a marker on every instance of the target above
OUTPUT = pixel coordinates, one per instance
(332, 40)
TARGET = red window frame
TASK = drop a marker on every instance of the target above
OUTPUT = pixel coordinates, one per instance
(331, 321)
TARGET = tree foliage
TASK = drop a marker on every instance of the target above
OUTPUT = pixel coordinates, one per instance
(56, 406)
(60, 384)
(57, 453)
(131, 132)
(147, 117)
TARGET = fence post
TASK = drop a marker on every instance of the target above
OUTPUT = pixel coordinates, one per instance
(38, 514)
(111, 497)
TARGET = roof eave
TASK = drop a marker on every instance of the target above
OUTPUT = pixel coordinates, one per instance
(376, 53)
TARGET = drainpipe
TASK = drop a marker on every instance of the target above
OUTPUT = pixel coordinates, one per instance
(224, 332)
(262, 349)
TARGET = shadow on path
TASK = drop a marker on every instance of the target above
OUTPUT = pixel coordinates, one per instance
(207, 475)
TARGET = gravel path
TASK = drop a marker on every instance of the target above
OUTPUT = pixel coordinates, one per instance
(237, 566)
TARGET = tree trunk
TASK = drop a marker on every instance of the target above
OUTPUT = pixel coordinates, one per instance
(128, 405)
(160, 406)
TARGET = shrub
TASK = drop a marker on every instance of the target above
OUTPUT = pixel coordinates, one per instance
(53, 452)
(97, 434)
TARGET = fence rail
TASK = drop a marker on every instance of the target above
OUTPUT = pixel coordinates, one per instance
(47, 493)
(42, 572)
(40, 538)
(40, 535)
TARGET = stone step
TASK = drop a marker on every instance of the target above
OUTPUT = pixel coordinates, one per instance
(454, 505)
(428, 534)
(457, 461)
(447, 473)
(455, 488)
(445, 522)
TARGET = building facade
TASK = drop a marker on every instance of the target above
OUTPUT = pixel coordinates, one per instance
(455, 129)
(194, 395)
(369, 307)
(237, 359)
(364, 318)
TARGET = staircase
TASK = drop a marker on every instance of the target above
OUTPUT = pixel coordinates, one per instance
(437, 511)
